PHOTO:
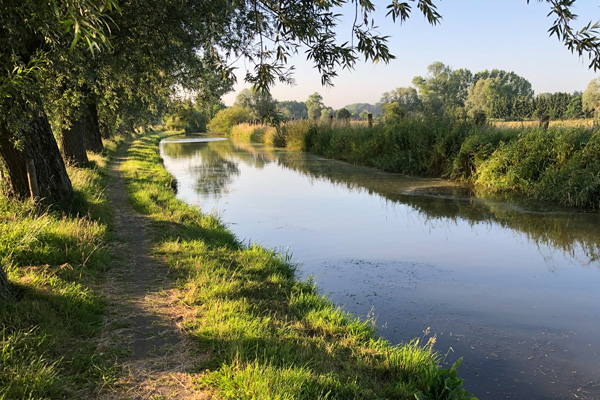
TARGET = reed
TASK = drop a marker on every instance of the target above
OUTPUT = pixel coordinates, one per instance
(558, 165)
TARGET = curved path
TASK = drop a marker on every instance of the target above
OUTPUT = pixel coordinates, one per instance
(153, 356)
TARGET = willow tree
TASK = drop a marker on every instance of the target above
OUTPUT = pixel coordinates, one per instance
(591, 100)
(30, 33)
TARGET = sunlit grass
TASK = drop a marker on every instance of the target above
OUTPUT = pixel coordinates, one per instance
(567, 123)
(54, 258)
(266, 334)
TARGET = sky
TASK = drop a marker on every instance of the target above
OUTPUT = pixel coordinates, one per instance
(474, 34)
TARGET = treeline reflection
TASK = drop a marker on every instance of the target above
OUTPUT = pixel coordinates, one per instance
(574, 233)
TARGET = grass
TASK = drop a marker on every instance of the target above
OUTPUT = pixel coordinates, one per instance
(569, 123)
(54, 260)
(558, 165)
(266, 334)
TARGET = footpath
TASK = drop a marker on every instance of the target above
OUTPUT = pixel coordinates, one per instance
(144, 317)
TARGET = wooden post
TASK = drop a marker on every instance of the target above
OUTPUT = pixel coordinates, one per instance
(32, 178)
(370, 119)
(545, 122)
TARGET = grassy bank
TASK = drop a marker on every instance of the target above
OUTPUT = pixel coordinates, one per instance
(267, 335)
(54, 259)
(560, 165)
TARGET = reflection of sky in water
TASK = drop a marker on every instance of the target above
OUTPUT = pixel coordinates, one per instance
(493, 280)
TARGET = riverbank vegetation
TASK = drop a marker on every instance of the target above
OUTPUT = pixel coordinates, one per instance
(55, 258)
(558, 164)
(266, 334)
(485, 129)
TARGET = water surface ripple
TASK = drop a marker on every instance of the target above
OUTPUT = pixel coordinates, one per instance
(513, 289)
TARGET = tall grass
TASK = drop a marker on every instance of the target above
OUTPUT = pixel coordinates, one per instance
(54, 258)
(569, 123)
(559, 165)
(266, 334)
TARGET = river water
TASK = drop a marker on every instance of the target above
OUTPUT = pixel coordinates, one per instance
(514, 289)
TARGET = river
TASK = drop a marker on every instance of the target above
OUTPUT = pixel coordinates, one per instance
(513, 289)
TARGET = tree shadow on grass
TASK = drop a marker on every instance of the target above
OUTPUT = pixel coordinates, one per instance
(47, 342)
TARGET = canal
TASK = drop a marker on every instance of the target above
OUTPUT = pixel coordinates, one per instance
(512, 288)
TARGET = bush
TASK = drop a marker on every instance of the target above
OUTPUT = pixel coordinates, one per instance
(185, 117)
(226, 119)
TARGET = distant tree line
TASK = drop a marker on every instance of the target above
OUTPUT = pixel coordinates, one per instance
(485, 95)
(494, 94)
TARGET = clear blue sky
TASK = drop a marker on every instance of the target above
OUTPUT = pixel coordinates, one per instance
(474, 34)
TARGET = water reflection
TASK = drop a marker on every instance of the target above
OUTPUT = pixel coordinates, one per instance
(499, 282)
(212, 170)
(573, 232)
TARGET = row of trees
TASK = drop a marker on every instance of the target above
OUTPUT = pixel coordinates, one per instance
(84, 69)
(443, 91)
(486, 94)
(253, 105)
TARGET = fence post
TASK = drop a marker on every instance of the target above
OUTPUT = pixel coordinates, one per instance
(32, 178)
(370, 119)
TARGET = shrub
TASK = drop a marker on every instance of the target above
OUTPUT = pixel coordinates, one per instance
(226, 119)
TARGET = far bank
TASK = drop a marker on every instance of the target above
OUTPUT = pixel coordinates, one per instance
(559, 165)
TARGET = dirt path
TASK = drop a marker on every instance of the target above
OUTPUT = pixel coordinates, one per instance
(154, 357)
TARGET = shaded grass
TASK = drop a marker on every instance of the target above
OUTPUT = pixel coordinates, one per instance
(559, 165)
(54, 258)
(269, 336)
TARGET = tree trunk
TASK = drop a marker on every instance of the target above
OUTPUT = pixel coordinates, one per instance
(5, 292)
(104, 131)
(37, 144)
(72, 142)
(16, 167)
(93, 138)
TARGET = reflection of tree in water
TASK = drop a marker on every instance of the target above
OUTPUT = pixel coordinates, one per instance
(214, 178)
(180, 150)
(575, 233)
(217, 169)
(215, 163)
(247, 153)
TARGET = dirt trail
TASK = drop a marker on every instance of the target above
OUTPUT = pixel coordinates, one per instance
(142, 325)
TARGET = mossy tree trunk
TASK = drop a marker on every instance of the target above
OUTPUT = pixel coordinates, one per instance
(36, 143)
(93, 138)
(72, 142)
